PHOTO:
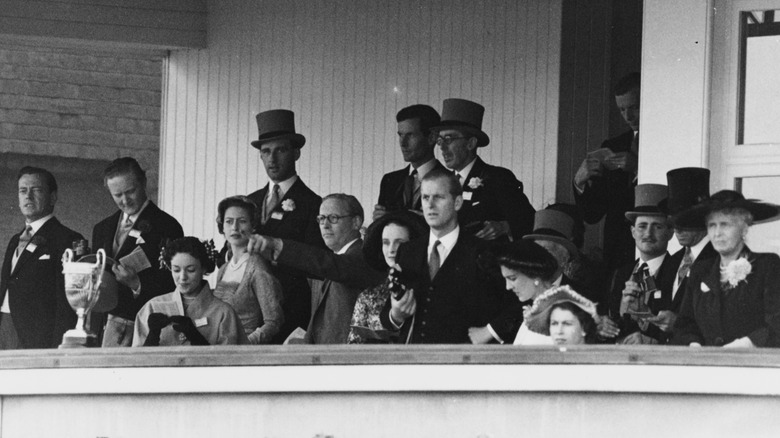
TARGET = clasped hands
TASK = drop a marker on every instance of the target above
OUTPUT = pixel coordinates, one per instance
(182, 324)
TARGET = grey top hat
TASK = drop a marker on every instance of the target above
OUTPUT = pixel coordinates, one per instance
(555, 226)
(646, 200)
(277, 124)
(463, 115)
(688, 186)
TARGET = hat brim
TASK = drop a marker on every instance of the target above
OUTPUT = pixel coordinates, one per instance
(482, 138)
(297, 139)
(537, 316)
(568, 244)
(762, 212)
(643, 211)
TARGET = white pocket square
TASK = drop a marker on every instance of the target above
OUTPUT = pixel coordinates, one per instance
(45, 257)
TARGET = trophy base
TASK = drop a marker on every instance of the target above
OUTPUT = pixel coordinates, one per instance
(78, 339)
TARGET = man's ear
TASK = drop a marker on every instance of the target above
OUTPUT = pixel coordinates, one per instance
(458, 202)
(53, 197)
(297, 153)
(472, 143)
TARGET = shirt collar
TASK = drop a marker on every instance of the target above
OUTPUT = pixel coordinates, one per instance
(424, 168)
(467, 170)
(346, 247)
(36, 225)
(696, 249)
(284, 186)
(134, 217)
(557, 281)
(653, 264)
(447, 241)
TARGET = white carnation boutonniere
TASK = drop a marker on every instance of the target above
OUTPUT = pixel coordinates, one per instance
(288, 205)
(736, 271)
(475, 183)
(704, 287)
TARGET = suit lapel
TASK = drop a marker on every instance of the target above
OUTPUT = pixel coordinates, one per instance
(130, 241)
(45, 233)
(108, 240)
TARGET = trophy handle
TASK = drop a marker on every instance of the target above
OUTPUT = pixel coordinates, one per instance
(67, 256)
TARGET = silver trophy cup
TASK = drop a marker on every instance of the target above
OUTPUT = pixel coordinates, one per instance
(82, 289)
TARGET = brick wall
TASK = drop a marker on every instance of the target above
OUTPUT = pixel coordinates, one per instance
(72, 112)
(81, 104)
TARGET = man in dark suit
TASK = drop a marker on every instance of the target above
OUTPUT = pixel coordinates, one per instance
(32, 287)
(642, 289)
(604, 183)
(449, 292)
(338, 274)
(400, 190)
(688, 186)
(289, 209)
(494, 205)
(132, 237)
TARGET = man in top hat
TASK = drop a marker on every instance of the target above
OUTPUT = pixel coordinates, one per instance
(35, 312)
(400, 190)
(604, 183)
(132, 234)
(553, 231)
(640, 290)
(688, 186)
(288, 208)
(494, 205)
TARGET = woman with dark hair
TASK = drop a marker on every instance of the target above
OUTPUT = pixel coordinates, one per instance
(383, 238)
(528, 270)
(565, 316)
(732, 300)
(190, 315)
(245, 280)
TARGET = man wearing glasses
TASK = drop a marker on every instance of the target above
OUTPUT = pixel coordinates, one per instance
(288, 208)
(494, 205)
(338, 276)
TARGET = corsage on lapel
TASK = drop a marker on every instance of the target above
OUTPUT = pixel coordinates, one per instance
(704, 287)
(735, 272)
(288, 205)
(475, 183)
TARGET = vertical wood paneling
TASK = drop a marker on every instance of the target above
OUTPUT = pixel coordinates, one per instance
(346, 68)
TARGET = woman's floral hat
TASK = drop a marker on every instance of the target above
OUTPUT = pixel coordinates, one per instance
(537, 316)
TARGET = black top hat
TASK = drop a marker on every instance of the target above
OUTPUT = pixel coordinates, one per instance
(646, 199)
(729, 199)
(688, 186)
(372, 245)
(555, 226)
(463, 115)
(277, 124)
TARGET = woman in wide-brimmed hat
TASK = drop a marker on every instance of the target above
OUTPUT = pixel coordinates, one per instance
(383, 238)
(732, 300)
(565, 316)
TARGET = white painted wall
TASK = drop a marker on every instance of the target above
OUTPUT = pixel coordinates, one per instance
(346, 68)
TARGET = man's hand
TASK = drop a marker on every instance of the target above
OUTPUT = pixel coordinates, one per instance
(622, 160)
(401, 310)
(126, 276)
(631, 293)
(637, 338)
(493, 230)
(589, 168)
(480, 335)
(264, 246)
(379, 211)
(607, 328)
(664, 320)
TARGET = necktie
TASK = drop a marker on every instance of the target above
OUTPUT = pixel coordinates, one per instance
(411, 190)
(24, 239)
(434, 263)
(121, 234)
(416, 191)
(685, 266)
(272, 201)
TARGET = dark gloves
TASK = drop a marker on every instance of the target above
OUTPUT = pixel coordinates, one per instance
(183, 324)
(156, 322)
